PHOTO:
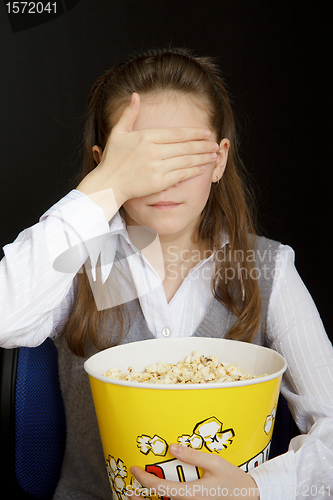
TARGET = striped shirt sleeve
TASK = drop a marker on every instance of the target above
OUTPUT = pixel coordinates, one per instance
(296, 331)
(35, 297)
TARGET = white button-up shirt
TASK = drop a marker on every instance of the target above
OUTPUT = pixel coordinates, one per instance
(36, 298)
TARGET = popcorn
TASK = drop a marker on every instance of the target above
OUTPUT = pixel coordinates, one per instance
(195, 369)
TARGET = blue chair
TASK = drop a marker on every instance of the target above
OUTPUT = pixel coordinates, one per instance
(284, 429)
(33, 428)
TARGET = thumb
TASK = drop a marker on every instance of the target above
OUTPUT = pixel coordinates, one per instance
(129, 115)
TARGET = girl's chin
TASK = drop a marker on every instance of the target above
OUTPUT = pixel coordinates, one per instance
(173, 230)
(166, 229)
(164, 226)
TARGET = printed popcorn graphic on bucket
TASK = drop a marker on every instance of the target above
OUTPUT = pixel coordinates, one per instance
(138, 489)
(157, 445)
(269, 422)
(209, 433)
(117, 472)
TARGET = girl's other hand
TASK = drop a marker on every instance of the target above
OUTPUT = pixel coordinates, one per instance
(221, 479)
(143, 162)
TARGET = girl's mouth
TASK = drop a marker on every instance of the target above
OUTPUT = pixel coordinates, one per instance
(164, 205)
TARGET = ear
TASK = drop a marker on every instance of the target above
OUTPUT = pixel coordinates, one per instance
(97, 154)
(221, 162)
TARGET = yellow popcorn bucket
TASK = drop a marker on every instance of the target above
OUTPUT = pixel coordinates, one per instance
(139, 421)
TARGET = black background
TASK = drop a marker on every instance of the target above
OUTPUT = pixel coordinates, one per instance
(276, 60)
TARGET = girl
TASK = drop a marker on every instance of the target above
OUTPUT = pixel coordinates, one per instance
(161, 159)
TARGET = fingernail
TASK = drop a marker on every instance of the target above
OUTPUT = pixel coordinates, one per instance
(213, 155)
(132, 100)
(207, 133)
(175, 448)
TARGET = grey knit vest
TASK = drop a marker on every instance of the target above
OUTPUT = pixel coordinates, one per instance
(83, 474)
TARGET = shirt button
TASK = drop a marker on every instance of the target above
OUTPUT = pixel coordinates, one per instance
(166, 332)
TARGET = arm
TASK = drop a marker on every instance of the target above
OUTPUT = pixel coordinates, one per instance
(295, 330)
(36, 298)
(34, 280)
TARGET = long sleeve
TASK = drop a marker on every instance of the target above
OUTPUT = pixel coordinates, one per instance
(35, 294)
(295, 330)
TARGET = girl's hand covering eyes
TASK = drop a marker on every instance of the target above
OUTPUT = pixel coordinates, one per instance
(143, 162)
(221, 479)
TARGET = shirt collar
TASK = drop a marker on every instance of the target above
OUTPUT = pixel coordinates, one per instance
(117, 229)
(112, 243)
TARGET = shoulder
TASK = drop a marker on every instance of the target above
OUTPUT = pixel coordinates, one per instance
(274, 256)
(283, 256)
(266, 257)
(263, 243)
(264, 250)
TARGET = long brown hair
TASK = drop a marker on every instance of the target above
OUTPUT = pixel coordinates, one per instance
(228, 208)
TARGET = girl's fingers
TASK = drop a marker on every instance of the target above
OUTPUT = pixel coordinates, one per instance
(206, 461)
(137, 163)
(176, 134)
(128, 116)
(189, 161)
(164, 487)
(164, 151)
(176, 176)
